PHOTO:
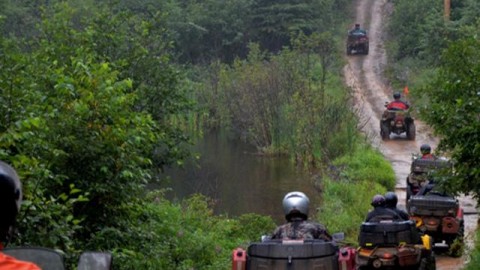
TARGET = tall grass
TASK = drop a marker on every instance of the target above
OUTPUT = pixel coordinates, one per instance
(287, 104)
(474, 257)
(345, 205)
(351, 183)
(366, 164)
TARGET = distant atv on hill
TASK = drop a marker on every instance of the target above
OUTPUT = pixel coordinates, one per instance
(357, 41)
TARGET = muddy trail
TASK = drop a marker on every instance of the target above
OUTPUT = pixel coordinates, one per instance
(365, 75)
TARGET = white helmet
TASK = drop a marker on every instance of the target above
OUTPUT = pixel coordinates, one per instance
(295, 204)
(10, 198)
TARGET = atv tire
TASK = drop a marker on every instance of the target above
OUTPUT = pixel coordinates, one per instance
(409, 193)
(411, 130)
(456, 245)
(428, 263)
(461, 231)
(384, 131)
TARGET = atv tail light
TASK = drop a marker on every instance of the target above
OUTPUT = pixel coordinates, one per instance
(387, 255)
(460, 213)
(432, 222)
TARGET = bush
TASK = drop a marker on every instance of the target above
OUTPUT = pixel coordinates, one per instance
(474, 257)
(184, 236)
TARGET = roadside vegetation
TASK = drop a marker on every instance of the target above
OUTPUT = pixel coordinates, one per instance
(353, 180)
(286, 103)
(97, 98)
(438, 58)
(474, 258)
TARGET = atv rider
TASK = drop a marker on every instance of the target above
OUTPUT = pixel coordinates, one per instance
(10, 200)
(295, 206)
(426, 150)
(380, 212)
(391, 201)
(397, 104)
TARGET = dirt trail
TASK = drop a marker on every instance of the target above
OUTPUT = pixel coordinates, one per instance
(365, 76)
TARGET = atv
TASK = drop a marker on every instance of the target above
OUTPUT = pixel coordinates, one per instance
(398, 122)
(438, 215)
(434, 211)
(357, 42)
(393, 245)
(276, 254)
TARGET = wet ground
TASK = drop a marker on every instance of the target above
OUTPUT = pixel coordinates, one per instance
(365, 75)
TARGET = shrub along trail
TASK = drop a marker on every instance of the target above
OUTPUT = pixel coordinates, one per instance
(364, 74)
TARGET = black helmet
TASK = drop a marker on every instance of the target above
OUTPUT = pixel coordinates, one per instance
(425, 149)
(391, 199)
(296, 204)
(357, 25)
(378, 200)
(397, 95)
(10, 198)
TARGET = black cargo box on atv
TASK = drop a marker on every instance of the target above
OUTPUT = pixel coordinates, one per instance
(392, 233)
(427, 165)
(432, 205)
(308, 254)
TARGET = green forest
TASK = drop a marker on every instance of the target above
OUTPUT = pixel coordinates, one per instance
(99, 97)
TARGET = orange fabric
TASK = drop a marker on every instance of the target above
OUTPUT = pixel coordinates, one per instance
(10, 263)
(405, 90)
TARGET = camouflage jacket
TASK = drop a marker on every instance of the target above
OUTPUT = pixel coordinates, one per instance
(301, 229)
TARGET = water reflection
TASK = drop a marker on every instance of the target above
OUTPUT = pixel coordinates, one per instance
(240, 181)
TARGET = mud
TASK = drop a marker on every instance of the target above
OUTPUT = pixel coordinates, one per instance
(365, 76)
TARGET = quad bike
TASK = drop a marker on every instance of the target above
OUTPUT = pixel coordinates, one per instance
(435, 212)
(357, 42)
(49, 259)
(438, 215)
(294, 254)
(398, 122)
(394, 245)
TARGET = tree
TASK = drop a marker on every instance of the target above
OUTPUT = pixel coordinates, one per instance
(275, 21)
(75, 128)
(453, 110)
